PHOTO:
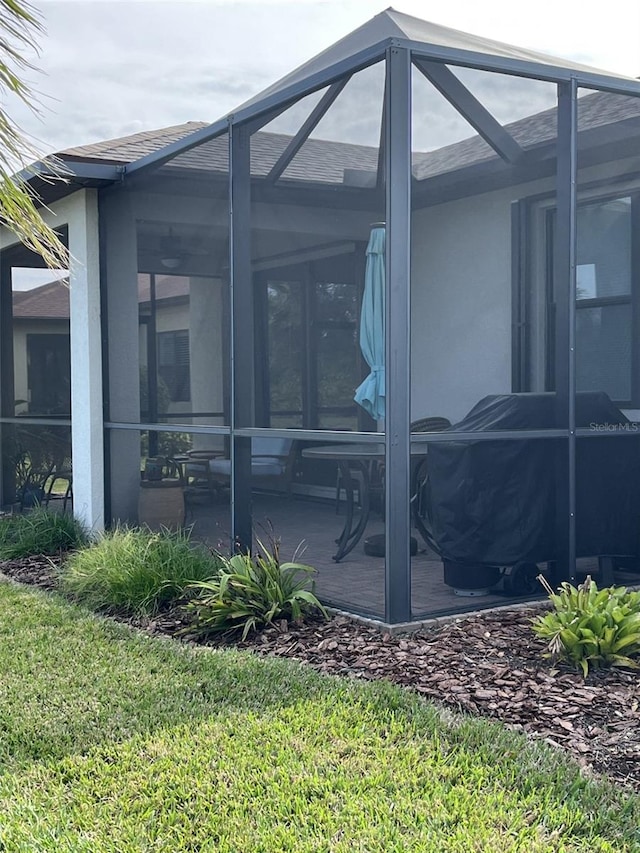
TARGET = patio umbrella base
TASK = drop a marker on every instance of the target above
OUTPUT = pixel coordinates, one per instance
(375, 546)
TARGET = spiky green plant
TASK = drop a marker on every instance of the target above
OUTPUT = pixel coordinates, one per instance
(591, 627)
(251, 592)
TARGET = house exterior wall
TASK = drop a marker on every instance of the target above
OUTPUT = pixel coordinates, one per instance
(460, 304)
(461, 292)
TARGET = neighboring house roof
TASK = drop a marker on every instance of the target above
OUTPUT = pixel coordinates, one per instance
(48, 302)
(51, 301)
(167, 287)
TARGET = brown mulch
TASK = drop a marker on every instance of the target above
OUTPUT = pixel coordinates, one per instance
(487, 664)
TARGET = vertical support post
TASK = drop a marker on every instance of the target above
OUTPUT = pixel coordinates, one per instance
(398, 346)
(208, 325)
(242, 332)
(7, 380)
(120, 265)
(86, 361)
(519, 307)
(565, 283)
(152, 366)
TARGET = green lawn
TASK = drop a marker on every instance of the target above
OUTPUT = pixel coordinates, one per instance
(114, 741)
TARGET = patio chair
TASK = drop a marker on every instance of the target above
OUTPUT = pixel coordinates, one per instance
(32, 477)
(61, 472)
(44, 463)
(272, 462)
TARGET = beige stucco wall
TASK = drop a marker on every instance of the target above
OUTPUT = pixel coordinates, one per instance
(461, 276)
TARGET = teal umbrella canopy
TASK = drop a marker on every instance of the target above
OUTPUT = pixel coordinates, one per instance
(370, 394)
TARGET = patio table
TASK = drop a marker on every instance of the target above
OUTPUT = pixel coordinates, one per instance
(359, 458)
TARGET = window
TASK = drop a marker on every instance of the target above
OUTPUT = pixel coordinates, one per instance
(307, 322)
(603, 299)
(48, 374)
(605, 310)
(173, 364)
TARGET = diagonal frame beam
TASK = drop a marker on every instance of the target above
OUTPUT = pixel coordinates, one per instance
(471, 109)
(307, 128)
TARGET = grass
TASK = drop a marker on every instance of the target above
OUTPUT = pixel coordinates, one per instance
(136, 570)
(113, 741)
(41, 531)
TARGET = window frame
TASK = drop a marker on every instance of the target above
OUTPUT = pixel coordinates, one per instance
(532, 235)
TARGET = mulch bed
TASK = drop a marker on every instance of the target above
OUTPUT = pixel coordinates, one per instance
(487, 664)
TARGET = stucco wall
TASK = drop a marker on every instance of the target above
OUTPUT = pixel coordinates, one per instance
(460, 304)
(461, 292)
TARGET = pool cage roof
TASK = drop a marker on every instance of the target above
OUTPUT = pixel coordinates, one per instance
(433, 48)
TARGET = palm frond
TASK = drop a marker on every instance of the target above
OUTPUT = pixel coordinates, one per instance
(20, 26)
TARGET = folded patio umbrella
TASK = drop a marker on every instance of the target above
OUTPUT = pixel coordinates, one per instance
(370, 394)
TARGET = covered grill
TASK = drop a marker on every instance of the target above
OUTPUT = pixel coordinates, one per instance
(493, 503)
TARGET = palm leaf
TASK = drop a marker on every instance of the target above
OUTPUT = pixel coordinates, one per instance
(20, 25)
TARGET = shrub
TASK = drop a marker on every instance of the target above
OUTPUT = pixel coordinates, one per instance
(41, 531)
(136, 570)
(251, 592)
(591, 627)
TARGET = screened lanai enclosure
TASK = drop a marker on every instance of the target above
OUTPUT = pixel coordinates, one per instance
(387, 311)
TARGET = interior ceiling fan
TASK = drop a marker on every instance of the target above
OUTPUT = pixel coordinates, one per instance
(175, 247)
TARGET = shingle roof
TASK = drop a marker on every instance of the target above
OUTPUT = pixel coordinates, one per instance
(318, 160)
(48, 302)
(51, 301)
(167, 287)
(594, 111)
(127, 149)
(327, 161)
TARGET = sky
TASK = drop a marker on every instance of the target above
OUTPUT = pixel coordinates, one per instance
(116, 67)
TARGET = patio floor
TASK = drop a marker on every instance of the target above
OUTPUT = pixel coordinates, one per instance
(357, 582)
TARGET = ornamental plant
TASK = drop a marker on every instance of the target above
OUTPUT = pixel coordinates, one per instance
(590, 627)
(41, 531)
(135, 570)
(250, 592)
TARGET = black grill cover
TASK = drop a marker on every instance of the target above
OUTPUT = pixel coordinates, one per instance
(493, 502)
